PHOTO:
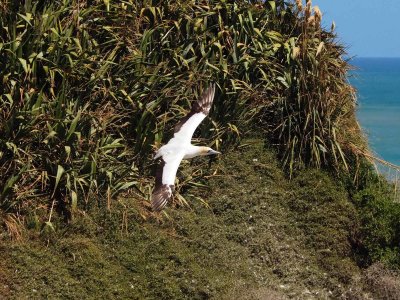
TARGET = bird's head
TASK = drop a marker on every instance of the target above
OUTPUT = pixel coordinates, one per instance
(208, 151)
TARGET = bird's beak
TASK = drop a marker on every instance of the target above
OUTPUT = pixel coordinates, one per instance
(211, 152)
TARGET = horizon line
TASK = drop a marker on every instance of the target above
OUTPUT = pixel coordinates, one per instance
(356, 56)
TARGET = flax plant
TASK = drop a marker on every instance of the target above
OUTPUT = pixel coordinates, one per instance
(314, 121)
(91, 88)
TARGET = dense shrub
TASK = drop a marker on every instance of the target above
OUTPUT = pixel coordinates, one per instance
(90, 87)
(380, 223)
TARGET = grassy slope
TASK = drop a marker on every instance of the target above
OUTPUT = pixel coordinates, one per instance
(262, 237)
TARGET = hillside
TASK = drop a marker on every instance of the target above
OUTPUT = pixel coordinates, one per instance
(91, 88)
(260, 236)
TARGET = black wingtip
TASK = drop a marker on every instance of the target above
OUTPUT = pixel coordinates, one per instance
(158, 205)
(211, 89)
(161, 196)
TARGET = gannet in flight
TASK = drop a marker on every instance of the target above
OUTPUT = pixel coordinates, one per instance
(179, 147)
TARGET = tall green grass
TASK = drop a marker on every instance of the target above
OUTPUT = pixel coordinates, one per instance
(91, 88)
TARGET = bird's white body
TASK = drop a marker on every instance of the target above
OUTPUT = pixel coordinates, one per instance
(173, 153)
(178, 148)
(188, 150)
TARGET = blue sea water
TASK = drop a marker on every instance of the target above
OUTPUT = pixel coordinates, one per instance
(378, 83)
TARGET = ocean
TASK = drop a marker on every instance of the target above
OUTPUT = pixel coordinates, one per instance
(377, 81)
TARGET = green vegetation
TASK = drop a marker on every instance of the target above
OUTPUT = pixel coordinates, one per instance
(262, 236)
(380, 219)
(91, 88)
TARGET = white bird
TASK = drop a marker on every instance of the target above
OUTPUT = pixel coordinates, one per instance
(179, 147)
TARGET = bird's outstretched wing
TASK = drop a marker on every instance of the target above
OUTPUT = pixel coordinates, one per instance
(165, 179)
(185, 128)
(171, 159)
